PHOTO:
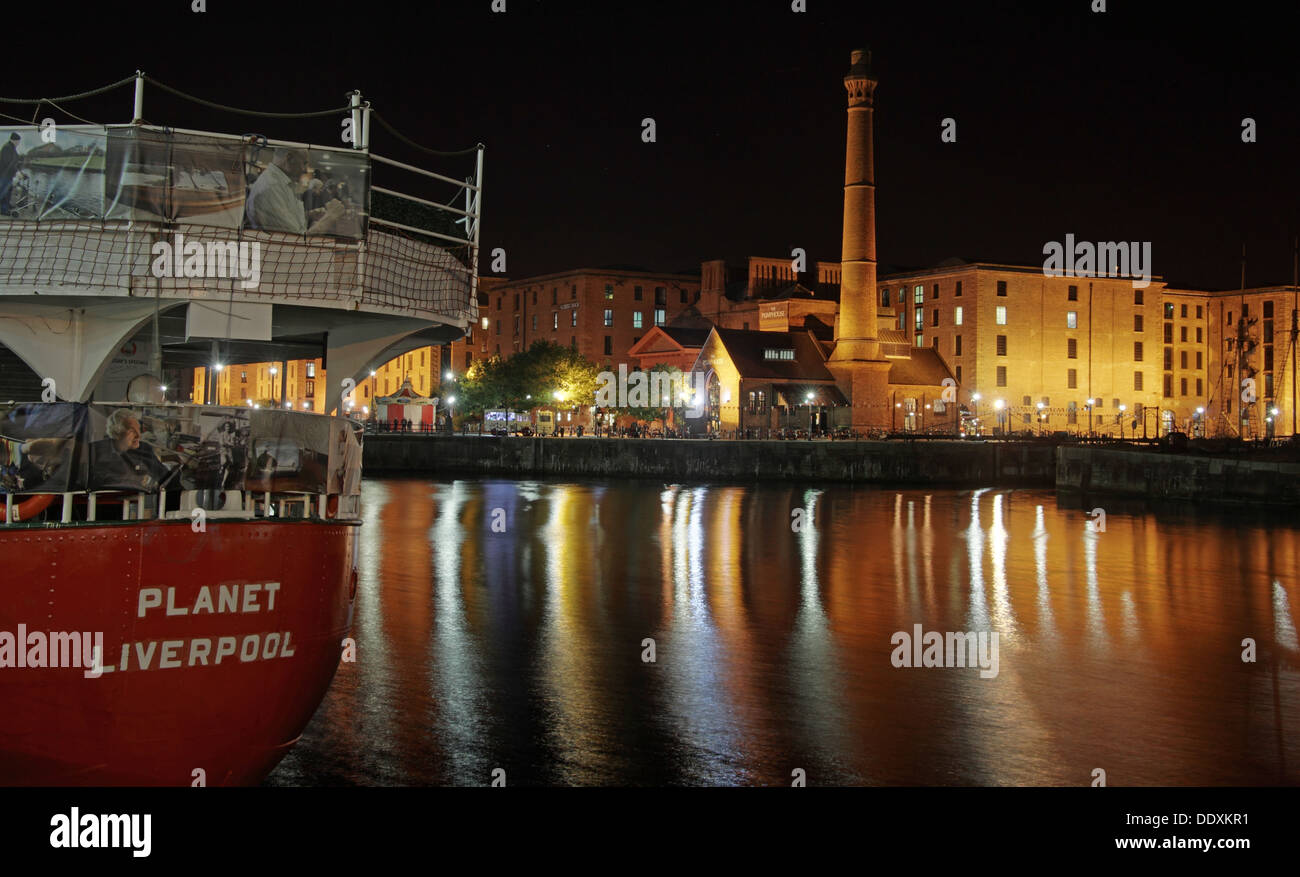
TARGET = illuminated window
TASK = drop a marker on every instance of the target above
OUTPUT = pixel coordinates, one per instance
(918, 295)
(659, 316)
(1001, 315)
(956, 315)
(636, 319)
(1071, 319)
(609, 317)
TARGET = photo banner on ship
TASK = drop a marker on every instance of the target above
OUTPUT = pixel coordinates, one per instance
(307, 191)
(132, 172)
(154, 175)
(52, 173)
(40, 448)
(150, 447)
(290, 451)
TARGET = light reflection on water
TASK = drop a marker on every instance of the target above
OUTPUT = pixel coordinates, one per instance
(522, 649)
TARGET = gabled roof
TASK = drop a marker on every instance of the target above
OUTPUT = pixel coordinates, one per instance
(745, 348)
(924, 367)
(681, 337)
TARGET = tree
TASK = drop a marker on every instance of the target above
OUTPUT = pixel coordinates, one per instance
(676, 402)
(528, 380)
(547, 368)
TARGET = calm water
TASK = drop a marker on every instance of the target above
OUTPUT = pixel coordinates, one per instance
(522, 649)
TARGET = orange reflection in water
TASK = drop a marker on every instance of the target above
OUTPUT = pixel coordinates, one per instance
(523, 649)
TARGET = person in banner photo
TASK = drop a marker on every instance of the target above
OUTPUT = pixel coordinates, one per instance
(345, 474)
(275, 202)
(10, 161)
(121, 461)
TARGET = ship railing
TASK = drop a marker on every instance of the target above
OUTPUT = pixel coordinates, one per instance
(237, 505)
(91, 210)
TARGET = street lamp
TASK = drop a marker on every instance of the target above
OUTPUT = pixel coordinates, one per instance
(1122, 409)
(810, 416)
(1090, 403)
(997, 406)
(1042, 418)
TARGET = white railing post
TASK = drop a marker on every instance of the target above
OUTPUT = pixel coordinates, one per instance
(356, 119)
(138, 113)
(478, 224)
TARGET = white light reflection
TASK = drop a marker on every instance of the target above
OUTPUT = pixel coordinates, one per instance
(1003, 616)
(979, 611)
(1045, 619)
(1096, 613)
(455, 663)
(1283, 626)
(695, 687)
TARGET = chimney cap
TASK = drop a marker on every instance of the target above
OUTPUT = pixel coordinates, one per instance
(860, 62)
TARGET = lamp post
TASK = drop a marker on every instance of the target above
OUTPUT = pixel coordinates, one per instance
(1122, 409)
(1090, 403)
(975, 408)
(1042, 418)
(810, 416)
(997, 406)
(274, 394)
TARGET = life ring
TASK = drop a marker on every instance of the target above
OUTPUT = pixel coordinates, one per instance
(30, 508)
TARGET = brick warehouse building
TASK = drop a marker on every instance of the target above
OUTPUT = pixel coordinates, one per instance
(601, 313)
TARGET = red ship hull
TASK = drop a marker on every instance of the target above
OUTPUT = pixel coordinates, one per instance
(218, 647)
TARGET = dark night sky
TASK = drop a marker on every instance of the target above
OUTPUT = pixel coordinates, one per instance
(1110, 126)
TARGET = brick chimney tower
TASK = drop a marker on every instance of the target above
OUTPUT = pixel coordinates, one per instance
(859, 367)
